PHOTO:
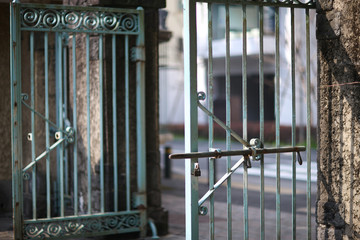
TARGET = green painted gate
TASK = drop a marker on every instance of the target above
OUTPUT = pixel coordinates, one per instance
(70, 176)
(196, 101)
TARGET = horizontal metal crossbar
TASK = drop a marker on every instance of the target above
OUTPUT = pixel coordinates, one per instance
(309, 4)
(243, 152)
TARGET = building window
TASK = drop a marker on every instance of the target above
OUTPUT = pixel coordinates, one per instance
(236, 20)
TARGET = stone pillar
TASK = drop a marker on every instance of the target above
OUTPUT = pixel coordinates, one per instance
(338, 31)
(5, 116)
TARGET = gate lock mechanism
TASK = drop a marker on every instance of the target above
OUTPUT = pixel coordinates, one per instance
(256, 150)
(69, 135)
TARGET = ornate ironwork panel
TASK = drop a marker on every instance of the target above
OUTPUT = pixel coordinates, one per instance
(75, 19)
(274, 3)
(83, 226)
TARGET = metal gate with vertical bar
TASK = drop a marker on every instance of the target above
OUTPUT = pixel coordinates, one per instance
(254, 148)
(62, 100)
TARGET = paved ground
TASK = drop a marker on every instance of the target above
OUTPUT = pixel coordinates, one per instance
(174, 201)
(6, 227)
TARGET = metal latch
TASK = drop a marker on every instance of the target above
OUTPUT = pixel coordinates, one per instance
(243, 152)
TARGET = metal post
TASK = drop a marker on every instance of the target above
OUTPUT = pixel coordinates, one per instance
(261, 101)
(228, 120)
(191, 119)
(16, 131)
(140, 122)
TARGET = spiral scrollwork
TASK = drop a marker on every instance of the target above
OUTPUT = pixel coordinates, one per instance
(299, 2)
(132, 220)
(304, 3)
(72, 20)
(76, 227)
(32, 231)
(95, 224)
(109, 21)
(128, 22)
(31, 17)
(50, 19)
(54, 229)
(112, 222)
(91, 21)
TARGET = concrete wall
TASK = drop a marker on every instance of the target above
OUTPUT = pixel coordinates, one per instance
(338, 31)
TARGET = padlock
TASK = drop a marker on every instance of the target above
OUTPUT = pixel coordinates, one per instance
(197, 171)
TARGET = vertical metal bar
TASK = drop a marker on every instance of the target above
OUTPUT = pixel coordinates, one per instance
(261, 101)
(211, 199)
(127, 123)
(101, 92)
(191, 119)
(60, 120)
(114, 123)
(210, 77)
(244, 98)
(33, 149)
(308, 124)
(228, 121)
(211, 121)
(277, 122)
(65, 107)
(140, 123)
(293, 124)
(47, 127)
(76, 200)
(16, 129)
(88, 121)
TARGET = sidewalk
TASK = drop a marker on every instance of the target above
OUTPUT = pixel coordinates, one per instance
(173, 199)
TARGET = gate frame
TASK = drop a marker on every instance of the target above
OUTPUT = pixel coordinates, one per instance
(140, 199)
(191, 110)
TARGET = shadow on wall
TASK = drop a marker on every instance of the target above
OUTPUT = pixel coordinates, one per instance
(339, 120)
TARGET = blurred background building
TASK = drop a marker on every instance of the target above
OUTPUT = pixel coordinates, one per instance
(171, 67)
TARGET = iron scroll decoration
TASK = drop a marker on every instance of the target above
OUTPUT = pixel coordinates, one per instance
(41, 19)
(273, 3)
(83, 226)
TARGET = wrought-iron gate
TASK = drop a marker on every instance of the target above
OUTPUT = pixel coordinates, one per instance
(253, 148)
(74, 145)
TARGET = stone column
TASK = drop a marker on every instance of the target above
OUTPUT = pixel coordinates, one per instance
(5, 116)
(338, 31)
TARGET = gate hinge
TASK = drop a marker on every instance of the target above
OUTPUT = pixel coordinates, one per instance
(138, 54)
(139, 200)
